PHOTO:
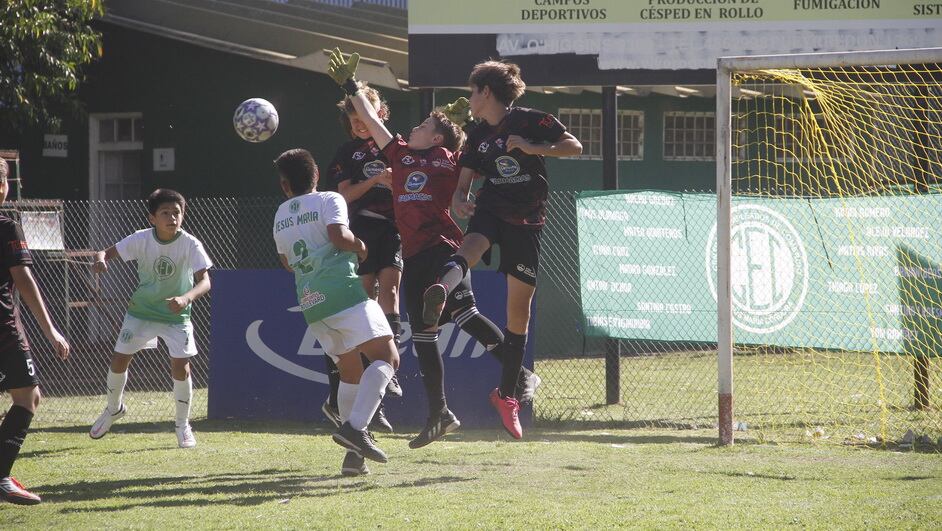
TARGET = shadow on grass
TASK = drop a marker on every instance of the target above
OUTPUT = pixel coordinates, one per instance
(204, 425)
(236, 489)
(539, 435)
(39, 453)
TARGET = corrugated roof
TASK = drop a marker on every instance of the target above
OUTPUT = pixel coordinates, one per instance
(296, 34)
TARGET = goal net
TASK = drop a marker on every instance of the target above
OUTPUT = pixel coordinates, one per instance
(830, 173)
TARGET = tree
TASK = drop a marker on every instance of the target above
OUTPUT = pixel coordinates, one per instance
(44, 45)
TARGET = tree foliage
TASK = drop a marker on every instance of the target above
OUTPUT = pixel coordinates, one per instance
(44, 45)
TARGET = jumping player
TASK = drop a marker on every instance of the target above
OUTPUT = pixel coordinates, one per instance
(507, 148)
(423, 182)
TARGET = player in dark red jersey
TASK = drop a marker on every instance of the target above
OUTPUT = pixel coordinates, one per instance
(423, 182)
(358, 172)
(507, 148)
(17, 370)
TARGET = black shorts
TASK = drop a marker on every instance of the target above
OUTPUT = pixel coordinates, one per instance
(422, 271)
(17, 368)
(383, 244)
(519, 245)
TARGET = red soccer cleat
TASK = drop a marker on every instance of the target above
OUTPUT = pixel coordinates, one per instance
(509, 410)
(13, 492)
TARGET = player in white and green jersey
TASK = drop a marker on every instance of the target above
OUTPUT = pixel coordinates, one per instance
(172, 273)
(312, 235)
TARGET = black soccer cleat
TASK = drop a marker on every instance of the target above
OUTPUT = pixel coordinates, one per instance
(436, 428)
(379, 422)
(393, 387)
(353, 465)
(360, 442)
(527, 384)
(434, 303)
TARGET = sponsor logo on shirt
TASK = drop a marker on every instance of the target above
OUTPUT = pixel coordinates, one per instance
(408, 160)
(500, 143)
(310, 299)
(507, 166)
(373, 168)
(359, 155)
(164, 267)
(526, 270)
(415, 182)
(547, 121)
(483, 147)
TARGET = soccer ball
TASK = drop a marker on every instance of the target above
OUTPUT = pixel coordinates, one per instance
(255, 120)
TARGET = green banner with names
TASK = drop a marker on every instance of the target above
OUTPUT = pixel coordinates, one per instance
(857, 274)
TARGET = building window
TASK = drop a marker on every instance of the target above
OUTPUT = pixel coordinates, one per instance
(120, 130)
(586, 125)
(689, 136)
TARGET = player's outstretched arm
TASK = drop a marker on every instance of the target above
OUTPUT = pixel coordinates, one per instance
(566, 146)
(343, 72)
(200, 287)
(460, 201)
(341, 238)
(101, 259)
(26, 285)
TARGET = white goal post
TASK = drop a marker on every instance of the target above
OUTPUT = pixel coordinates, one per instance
(726, 68)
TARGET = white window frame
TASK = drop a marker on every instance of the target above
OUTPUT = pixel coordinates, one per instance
(709, 149)
(597, 112)
(95, 145)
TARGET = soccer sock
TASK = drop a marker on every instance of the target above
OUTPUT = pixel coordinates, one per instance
(480, 328)
(182, 394)
(512, 349)
(115, 382)
(346, 396)
(396, 325)
(433, 370)
(453, 272)
(333, 378)
(12, 433)
(372, 388)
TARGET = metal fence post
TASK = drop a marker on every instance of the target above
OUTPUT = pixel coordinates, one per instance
(610, 182)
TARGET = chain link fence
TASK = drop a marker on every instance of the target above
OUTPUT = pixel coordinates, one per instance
(88, 309)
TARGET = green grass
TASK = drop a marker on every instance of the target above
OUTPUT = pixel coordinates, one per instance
(783, 395)
(249, 475)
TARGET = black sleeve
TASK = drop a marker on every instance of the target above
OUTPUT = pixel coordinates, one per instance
(337, 172)
(470, 157)
(15, 251)
(543, 127)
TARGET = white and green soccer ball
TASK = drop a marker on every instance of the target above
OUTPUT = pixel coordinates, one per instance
(255, 120)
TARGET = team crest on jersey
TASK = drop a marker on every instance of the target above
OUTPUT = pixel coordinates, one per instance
(483, 147)
(294, 206)
(408, 160)
(373, 168)
(415, 182)
(126, 336)
(359, 155)
(507, 166)
(164, 268)
(500, 143)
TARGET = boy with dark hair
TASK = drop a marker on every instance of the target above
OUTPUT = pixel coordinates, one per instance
(423, 182)
(172, 269)
(314, 242)
(17, 372)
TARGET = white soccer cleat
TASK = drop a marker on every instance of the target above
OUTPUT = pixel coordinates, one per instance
(104, 422)
(185, 437)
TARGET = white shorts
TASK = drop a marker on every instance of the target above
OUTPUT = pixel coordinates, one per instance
(137, 334)
(342, 332)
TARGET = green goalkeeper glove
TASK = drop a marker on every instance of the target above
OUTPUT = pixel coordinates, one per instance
(342, 71)
(458, 111)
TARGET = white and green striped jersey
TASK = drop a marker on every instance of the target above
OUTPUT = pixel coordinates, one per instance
(325, 277)
(164, 270)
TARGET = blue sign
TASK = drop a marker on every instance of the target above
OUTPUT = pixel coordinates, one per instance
(265, 363)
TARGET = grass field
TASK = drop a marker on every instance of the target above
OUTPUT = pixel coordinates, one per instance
(246, 475)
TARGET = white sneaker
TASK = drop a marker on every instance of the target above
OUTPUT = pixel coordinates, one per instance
(104, 422)
(185, 437)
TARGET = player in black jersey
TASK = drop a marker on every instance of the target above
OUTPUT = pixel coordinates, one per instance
(358, 172)
(506, 148)
(17, 370)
